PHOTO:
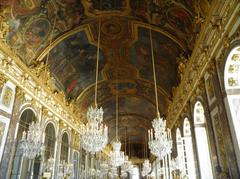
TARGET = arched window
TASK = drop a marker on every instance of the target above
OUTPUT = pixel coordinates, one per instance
(21, 164)
(232, 86)
(202, 142)
(180, 151)
(190, 167)
(50, 140)
(64, 147)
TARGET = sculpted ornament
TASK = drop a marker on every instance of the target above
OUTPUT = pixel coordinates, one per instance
(19, 93)
(2, 80)
(4, 26)
(182, 63)
(39, 69)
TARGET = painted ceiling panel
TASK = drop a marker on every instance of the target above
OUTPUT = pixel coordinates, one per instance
(73, 63)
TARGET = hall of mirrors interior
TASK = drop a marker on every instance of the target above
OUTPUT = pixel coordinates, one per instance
(110, 89)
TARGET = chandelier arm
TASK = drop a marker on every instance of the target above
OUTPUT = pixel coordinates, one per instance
(97, 60)
(154, 73)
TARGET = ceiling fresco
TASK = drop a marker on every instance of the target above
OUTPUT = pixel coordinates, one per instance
(165, 53)
(73, 63)
(31, 23)
(126, 89)
(62, 35)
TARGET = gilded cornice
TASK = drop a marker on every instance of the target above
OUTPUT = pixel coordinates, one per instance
(12, 67)
(222, 17)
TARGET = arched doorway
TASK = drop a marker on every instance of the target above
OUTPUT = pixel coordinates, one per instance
(190, 167)
(21, 165)
(202, 142)
(232, 102)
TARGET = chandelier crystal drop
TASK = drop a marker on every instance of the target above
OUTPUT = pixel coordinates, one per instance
(116, 156)
(160, 142)
(31, 142)
(94, 135)
(146, 168)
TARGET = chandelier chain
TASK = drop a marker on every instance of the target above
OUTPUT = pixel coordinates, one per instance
(97, 61)
(154, 73)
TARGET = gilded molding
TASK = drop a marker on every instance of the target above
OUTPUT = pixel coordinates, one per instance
(210, 41)
(33, 87)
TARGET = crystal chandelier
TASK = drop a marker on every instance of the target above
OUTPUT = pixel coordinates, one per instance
(146, 164)
(31, 142)
(159, 143)
(146, 168)
(116, 156)
(126, 167)
(94, 135)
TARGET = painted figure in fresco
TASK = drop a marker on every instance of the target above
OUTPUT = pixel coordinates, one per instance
(36, 32)
(70, 13)
(23, 8)
(140, 9)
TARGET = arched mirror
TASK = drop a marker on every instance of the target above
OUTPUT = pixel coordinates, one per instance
(49, 143)
(64, 148)
(50, 139)
(21, 165)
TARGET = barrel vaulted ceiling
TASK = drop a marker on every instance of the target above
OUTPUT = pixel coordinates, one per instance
(63, 35)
